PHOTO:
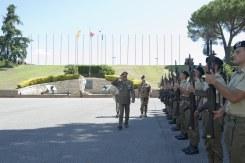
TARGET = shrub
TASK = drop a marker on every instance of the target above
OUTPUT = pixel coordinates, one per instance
(71, 69)
(95, 71)
(48, 79)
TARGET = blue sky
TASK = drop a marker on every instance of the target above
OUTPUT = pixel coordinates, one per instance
(155, 17)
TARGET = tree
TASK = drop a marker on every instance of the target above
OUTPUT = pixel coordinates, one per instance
(219, 20)
(12, 44)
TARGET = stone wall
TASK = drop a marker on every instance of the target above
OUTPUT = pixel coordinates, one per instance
(8, 93)
(72, 87)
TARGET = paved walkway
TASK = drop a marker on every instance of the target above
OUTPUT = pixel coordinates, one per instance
(84, 131)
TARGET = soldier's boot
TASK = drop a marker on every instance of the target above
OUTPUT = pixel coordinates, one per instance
(186, 148)
(192, 150)
(119, 127)
(173, 121)
(182, 137)
(175, 128)
(145, 111)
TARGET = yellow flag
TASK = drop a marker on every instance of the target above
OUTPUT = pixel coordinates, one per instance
(78, 34)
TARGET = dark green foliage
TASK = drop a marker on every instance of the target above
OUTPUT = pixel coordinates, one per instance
(95, 71)
(12, 44)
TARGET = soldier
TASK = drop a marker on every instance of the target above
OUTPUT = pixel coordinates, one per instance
(183, 107)
(144, 94)
(193, 133)
(126, 92)
(234, 108)
(214, 145)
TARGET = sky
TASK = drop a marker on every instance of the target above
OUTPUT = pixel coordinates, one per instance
(53, 25)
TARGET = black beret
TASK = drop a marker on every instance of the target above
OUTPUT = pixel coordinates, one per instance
(239, 44)
(124, 73)
(217, 61)
(200, 69)
(186, 73)
(143, 77)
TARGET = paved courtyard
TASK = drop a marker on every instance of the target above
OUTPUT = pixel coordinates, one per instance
(78, 130)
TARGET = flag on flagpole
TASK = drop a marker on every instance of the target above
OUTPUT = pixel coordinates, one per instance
(78, 34)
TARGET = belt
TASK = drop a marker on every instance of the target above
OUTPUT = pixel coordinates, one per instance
(235, 119)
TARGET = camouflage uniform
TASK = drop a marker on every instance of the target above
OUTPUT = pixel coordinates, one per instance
(126, 91)
(144, 93)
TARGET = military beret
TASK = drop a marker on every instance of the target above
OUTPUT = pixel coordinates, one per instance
(239, 45)
(217, 61)
(200, 69)
(186, 73)
(124, 73)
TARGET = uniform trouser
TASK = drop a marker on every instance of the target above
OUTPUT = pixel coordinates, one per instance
(122, 108)
(174, 109)
(144, 104)
(214, 145)
(235, 138)
(205, 115)
(184, 120)
(193, 133)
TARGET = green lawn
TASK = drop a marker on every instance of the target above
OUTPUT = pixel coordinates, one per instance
(10, 77)
(153, 73)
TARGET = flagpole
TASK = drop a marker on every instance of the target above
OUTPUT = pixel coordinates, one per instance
(135, 57)
(120, 49)
(101, 49)
(31, 48)
(157, 49)
(105, 51)
(128, 50)
(61, 49)
(68, 48)
(149, 37)
(112, 49)
(171, 48)
(179, 50)
(38, 62)
(46, 48)
(53, 48)
(142, 49)
(97, 49)
(75, 51)
(83, 50)
(164, 48)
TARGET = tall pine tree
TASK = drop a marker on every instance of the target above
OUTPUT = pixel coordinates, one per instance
(12, 44)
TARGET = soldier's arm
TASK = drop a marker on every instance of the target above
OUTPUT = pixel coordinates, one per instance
(115, 82)
(233, 95)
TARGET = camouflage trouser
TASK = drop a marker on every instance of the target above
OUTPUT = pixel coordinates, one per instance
(184, 117)
(214, 145)
(144, 104)
(193, 134)
(122, 108)
(235, 138)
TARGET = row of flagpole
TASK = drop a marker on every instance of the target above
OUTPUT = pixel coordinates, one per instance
(80, 49)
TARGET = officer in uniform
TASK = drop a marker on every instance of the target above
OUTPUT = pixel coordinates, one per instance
(126, 92)
(234, 110)
(144, 94)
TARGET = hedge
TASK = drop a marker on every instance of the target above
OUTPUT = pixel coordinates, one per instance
(48, 79)
(96, 71)
(136, 82)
